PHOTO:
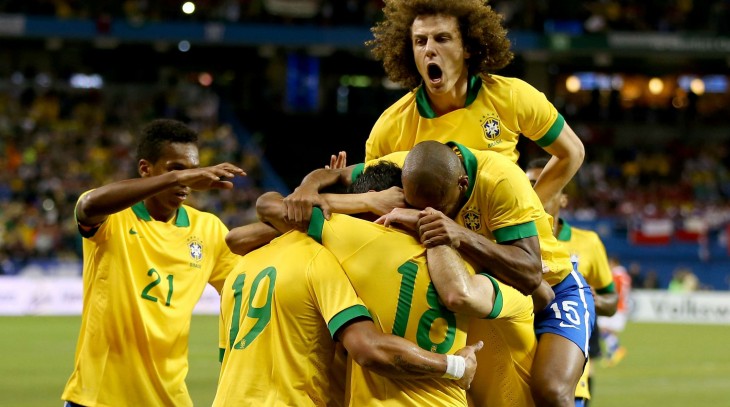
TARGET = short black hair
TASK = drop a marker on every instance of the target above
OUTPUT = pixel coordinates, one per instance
(158, 132)
(377, 177)
(537, 163)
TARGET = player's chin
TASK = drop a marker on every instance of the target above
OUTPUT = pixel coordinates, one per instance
(176, 200)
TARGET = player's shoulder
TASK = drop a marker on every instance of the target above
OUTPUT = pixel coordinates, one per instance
(504, 81)
(585, 234)
(404, 104)
(195, 215)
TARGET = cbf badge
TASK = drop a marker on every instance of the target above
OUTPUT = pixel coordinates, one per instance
(195, 247)
(491, 127)
(472, 220)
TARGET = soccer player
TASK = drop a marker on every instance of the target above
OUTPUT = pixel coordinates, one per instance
(487, 209)
(283, 308)
(445, 53)
(147, 260)
(611, 327)
(359, 245)
(588, 255)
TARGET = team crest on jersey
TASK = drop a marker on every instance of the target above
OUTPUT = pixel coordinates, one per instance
(491, 127)
(195, 247)
(472, 220)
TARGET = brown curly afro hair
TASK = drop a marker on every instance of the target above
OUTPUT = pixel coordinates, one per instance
(481, 28)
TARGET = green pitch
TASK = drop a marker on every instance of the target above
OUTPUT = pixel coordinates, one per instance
(666, 365)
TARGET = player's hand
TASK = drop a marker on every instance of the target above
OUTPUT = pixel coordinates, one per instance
(469, 353)
(406, 217)
(435, 228)
(215, 177)
(542, 296)
(299, 206)
(337, 161)
(384, 201)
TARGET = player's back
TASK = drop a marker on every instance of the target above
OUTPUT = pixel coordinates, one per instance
(388, 270)
(277, 344)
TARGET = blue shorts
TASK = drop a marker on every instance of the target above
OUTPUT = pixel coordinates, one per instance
(71, 404)
(581, 402)
(571, 314)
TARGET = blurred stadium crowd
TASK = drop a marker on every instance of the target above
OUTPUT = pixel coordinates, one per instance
(58, 141)
(534, 15)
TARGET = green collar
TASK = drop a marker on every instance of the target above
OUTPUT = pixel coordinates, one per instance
(424, 105)
(470, 164)
(565, 231)
(181, 220)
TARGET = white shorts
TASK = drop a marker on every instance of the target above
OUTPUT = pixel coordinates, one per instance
(614, 323)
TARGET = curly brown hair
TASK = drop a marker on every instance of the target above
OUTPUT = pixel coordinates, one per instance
(481, 28)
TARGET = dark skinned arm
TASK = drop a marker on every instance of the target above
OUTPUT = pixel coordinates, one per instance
(299, 203)
(516, 263)
(98, 204)
(606, 303)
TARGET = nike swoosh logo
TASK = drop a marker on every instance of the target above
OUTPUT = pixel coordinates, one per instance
(132, 231)
(564, 325)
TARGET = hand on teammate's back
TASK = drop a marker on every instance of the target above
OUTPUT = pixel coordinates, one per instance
(469, 353)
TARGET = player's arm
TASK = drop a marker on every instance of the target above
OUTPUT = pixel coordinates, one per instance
(94, 207)
(377, 202)
(395, 357)
(516, 262)
(271, 207)
(567, 153)
(299, 203)
(606, 301)
(243, 239)
(459, 290)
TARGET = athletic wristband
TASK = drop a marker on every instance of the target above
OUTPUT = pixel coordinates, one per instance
(455, 367)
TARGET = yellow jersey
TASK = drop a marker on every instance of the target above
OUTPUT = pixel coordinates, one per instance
(280, 309)
(498, 109)
(142, 279)
(387, 268)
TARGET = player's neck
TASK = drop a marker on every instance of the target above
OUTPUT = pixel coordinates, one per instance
(160, 212)
(447, 102)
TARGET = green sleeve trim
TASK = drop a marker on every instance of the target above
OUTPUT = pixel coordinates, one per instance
(515, 232)
(609, 289)
(357, 171)
(221, 354)
(345, 316)
(552, 133)
(316, 224)
(498, 300)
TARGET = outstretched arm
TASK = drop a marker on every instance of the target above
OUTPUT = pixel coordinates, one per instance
(395, 357)
(567, 153)
(94, 207)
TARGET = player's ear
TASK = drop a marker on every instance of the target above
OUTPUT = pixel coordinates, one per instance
(463, 183)
(563, 198)
(144, 168)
